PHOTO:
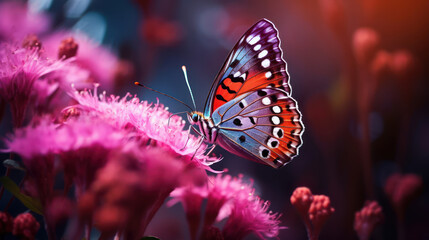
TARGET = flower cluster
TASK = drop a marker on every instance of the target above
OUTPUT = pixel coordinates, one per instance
(227, 197)
(23, 226)
(105, 147)
(367, 219)
(313, 209)
(95, 160)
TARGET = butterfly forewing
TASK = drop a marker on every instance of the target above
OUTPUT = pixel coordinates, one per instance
(262, 125)
(254, 63)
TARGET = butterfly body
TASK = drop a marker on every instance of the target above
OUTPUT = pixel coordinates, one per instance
(249, 110)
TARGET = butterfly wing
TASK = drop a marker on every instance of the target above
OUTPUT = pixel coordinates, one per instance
(263, 125)
(254, 63)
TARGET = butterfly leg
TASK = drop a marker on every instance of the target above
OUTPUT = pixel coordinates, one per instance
(199, 145)
(211, 149)
(189, 133)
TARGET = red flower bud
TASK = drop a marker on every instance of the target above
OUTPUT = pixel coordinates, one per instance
(68, 48)
(25, 226)
(301, 199)
(367, 219)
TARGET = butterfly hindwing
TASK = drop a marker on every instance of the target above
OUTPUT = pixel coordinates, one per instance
(254, 63)
(264, 125)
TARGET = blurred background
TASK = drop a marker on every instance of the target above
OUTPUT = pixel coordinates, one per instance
(358, 72)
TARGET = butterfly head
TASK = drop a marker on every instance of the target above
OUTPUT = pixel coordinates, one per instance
(194, 117)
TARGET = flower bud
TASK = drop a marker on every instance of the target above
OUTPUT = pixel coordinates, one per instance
(301, 199)
(365, 44)
(320, 210)
(25, 226)
(68, 48)
(31, 42)
(367, 219)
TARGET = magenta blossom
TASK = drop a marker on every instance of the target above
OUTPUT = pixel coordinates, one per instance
(231, 198)
(152, 123)
(251, 215)
(82, 144)
(19, 69)
(16, 21)
(132, 186)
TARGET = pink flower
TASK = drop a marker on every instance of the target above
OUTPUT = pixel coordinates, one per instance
(151, 122)
(16, 21)
(231, 198)
(221, 195)
(314, 210)
(83, 145)
(87, 55)
(251, 215)
(19, 69)
(129, 190)
(319, 212)
(301, 199)
(25, 226)
(367, 219)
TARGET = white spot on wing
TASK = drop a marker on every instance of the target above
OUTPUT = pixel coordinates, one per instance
(254, 40)
(265, 63)
(257, 47)
(277, 109)
(263, 54)
(237, 74)
(275, 120)
(273, 143)
(243, 76)
(261, 149)
(268, 74)
(266, 101)
(278, 132)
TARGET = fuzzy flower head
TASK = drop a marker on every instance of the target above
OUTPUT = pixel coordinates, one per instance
(19, 69)
(16, 21)
(82, 146)
(152, 123)
(367, 219)
(251, 215)
(232, 198)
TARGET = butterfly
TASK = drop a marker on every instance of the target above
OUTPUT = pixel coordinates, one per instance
(249, 110)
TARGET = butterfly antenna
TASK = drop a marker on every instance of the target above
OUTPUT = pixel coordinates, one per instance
(141, 85)
(189, 86)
